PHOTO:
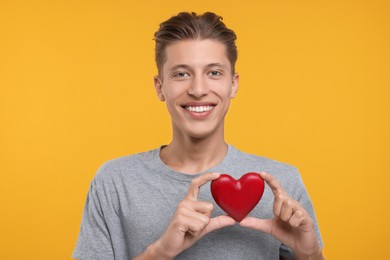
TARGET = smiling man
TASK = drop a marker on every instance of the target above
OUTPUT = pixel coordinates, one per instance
(158, 205)
(197, 83)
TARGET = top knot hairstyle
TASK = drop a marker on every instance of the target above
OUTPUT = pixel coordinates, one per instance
(190, 26)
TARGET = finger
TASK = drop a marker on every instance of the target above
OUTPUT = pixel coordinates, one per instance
(272, 182)
(190, 221)
(301, 218)
(278, 203)
(264, 225)
(278, 191)
(198, 182)
(287, 210)
(189, 213)
(297, 219)
(203, 207)
(196, 227)
(218, 222)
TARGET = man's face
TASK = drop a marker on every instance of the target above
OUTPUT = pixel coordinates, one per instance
(197, 85)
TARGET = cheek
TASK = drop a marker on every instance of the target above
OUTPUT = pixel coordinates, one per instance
(172, 97)
(224, 91)
(173, 92)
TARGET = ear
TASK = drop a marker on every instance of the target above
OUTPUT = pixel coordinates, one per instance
(158, 87)
(236, 80)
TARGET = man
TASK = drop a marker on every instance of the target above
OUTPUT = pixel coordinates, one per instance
(157, 204)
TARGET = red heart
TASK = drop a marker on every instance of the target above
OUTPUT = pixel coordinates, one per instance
(238, 198)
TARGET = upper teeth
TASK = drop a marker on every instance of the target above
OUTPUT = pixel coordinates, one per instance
(199, 109)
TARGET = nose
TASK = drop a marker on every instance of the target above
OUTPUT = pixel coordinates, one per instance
(198, 87)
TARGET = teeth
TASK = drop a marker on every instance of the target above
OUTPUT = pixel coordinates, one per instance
(199, 109)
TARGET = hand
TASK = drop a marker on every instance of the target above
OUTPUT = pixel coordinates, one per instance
(291, 225)
(190, 222)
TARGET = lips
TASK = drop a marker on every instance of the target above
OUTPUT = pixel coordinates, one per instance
(199, 110)
(199, 107)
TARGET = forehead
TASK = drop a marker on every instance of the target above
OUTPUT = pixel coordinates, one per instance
(196, 53)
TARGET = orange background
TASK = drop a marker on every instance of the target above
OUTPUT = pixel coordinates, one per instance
(76, 90)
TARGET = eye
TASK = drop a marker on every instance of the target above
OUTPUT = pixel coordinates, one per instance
(215, 73)
(181, 75)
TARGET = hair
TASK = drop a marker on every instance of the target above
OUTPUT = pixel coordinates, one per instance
(190, 26)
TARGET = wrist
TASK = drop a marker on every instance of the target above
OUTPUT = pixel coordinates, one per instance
(156, 251)
(317, 255)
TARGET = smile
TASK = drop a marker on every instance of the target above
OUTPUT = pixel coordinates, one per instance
(198, 109)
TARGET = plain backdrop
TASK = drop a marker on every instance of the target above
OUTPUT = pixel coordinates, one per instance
(76, 90)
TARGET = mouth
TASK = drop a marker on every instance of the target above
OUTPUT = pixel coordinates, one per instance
(198, 109)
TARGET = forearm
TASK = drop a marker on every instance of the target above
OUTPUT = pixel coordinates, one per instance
(151, 253)
(316, 256)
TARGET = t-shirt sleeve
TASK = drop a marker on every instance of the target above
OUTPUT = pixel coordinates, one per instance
(94, 242)
(300, 194)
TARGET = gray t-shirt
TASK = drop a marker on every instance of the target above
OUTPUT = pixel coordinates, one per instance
(132, 199)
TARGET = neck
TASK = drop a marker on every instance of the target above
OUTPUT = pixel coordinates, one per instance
(193, 155)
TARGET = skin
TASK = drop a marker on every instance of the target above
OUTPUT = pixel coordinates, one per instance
(199, 72)
(291, 225)
(196, 71)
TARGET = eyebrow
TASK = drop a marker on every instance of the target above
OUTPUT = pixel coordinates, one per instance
(179, 66)
(220, 65)
(185, 66)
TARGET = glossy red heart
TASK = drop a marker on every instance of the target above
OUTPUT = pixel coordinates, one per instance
(237, 197)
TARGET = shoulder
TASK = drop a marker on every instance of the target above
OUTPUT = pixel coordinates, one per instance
(264, 163)
(125, 165)
(115, 179)
(287, 174)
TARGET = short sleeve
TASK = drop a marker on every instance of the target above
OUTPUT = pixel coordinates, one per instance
(94, 242)
(300, 194)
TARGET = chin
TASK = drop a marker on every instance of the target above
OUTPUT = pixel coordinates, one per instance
(199, 130)
(201, 134)
(198, 136)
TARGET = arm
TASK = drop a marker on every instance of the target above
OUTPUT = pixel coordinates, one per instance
(94, 240)
(291, 225)
(191, 221)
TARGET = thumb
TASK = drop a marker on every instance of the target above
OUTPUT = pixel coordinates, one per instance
(219, 222)
(264, 225)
